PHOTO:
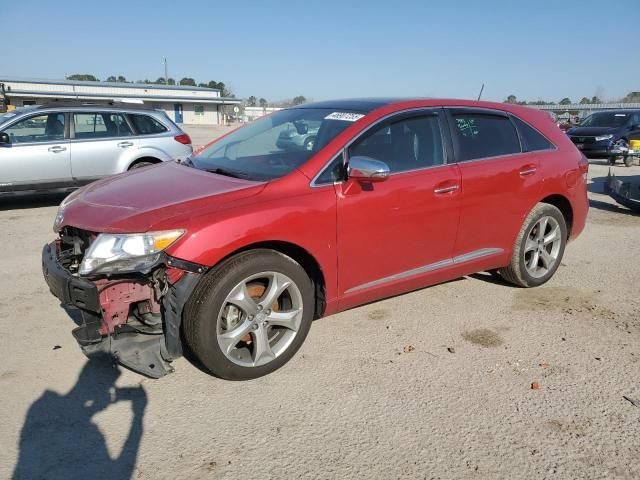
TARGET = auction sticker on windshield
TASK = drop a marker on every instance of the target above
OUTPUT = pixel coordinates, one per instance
(344, 116)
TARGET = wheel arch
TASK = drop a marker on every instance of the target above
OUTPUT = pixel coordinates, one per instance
(306, 260)
(563, 204)
(143, 159)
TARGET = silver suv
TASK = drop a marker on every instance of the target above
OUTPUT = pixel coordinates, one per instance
(60, 147)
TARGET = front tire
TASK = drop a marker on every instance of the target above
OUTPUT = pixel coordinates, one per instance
(539, 247)
(250, 315)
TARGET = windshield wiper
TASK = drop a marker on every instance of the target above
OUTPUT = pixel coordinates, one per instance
(227, 173)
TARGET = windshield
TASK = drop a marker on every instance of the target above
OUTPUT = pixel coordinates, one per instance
(275, 145)
(606, 119)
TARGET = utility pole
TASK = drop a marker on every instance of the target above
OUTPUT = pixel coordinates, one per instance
(166, 76)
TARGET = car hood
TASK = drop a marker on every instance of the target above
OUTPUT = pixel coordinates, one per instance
(138, 200)
(592, 131)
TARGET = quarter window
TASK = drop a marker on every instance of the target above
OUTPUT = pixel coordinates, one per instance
(41, 128)
(335, 172)
(531, 139)
(406, 144)
(146, 125)
(481, 135)
(100, 125)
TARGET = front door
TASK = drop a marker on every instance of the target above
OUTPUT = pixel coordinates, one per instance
(101, 143)
(37, 157)
(404, 227)
(177, 110)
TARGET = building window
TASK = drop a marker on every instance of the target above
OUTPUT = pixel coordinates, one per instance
(199, 110)
(28, 102)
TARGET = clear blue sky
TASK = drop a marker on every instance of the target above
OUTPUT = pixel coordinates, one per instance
(276, 49)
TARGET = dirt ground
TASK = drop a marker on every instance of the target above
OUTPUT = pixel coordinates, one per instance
(433, 384)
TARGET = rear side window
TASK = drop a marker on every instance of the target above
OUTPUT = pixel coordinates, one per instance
(100, 125)
(480, 135)
(531, 139)
(146, 125)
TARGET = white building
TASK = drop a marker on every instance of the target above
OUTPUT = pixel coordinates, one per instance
(188, 105)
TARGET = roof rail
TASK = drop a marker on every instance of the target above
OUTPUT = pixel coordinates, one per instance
(98, 103)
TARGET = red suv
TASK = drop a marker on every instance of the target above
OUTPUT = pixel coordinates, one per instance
(234, 252)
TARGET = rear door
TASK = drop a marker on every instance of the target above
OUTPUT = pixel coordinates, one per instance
(99, 141)
(37, 158)
(500, 184)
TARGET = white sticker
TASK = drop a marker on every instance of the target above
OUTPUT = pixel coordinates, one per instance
(620, 115)
(344, 116)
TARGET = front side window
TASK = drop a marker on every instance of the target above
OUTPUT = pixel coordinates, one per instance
(407, 144)
(40, 128)
(92, 125)
(146, 125)
(480, 135)
(275, 145)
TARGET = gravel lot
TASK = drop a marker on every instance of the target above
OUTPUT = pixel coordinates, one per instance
(432, 384)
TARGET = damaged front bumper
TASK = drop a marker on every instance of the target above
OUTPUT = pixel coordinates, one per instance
(136, 320)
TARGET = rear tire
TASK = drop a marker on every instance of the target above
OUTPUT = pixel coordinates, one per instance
(539, 247)
(140, 165)
(238, 325)
(628, 161)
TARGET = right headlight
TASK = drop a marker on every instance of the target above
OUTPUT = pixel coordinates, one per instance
(124, 253)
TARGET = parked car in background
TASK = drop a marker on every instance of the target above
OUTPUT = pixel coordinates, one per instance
(238, 249)
(606, 134)
(299, 135)
(60, 147)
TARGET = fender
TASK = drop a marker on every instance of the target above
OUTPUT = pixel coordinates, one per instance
(131, 155)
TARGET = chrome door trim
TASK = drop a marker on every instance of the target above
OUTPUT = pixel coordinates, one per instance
(467, 257)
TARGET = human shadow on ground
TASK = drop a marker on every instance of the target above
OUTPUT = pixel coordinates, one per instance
(59, 440)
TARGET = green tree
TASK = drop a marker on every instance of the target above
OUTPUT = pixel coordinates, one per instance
(111, 79)
(632, 97)
(565, 101)
(299, 100)
(84, 77)
(251, 101)
(121, 79)
(188, 81)
(584, 101)
(595, 99)
(263, 102)
(511, 99)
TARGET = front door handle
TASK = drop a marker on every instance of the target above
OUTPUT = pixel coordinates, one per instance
(441, 190)
(57, 149)
(125, 144)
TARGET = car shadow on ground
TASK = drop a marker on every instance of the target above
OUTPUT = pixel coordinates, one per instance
(59, 440)
(39, 201)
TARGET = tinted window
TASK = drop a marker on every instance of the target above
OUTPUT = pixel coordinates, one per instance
(403, 145)
(100, 125)
(531, 139)
(41, 128)
(146, 125)
(335, 172)
(480, 135)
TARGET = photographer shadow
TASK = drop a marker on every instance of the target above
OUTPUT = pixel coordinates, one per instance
(59, 440)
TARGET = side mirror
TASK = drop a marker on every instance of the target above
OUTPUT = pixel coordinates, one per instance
(367, 169)
(4, 138)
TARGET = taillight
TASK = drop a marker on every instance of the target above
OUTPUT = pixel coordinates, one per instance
(184, 139)
(583, 165)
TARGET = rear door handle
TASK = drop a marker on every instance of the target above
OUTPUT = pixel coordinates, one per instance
(125, 144)
(441, 190)
(57, 149)
(528, 171)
